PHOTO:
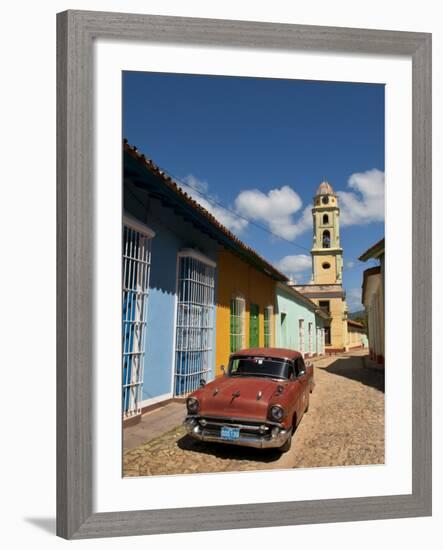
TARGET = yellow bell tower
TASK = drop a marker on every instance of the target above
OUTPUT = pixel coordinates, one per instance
(327, 254)
(326, 285)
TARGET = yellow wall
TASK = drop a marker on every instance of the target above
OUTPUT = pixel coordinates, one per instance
(355, 336)
(325, 276)
(339, 331)
(235, 276)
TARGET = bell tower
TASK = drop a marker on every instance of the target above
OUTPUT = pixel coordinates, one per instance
(326, 286)
(326, 252)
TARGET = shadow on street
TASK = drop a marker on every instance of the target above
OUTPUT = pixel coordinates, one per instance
(353, 369)
(228, 452)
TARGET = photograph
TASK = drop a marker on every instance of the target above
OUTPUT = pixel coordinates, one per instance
(252, 258)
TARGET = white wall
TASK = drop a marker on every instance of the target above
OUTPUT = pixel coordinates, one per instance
(28, 224)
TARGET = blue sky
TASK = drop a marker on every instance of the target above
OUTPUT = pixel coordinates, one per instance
(260, 148)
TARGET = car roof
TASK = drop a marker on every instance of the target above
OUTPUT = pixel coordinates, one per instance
(277, 353)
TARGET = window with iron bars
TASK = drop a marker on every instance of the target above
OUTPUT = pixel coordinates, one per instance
(135, 286)
(301, 336)
(268, 326)
(237, 324)
(195, 324)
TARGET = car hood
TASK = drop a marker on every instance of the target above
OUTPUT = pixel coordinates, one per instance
(238, 397)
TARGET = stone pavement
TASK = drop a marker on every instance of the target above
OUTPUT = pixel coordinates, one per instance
(344, 426)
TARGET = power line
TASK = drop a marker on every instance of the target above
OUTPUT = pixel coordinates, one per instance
(214, 201)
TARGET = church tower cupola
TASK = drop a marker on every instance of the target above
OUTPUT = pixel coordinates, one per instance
(327, 254)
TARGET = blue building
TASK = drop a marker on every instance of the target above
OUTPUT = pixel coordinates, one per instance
(168, 292)
(171, 246)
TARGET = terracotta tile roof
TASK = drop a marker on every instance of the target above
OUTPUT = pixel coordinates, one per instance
(355, 324)
(237, 244)
(377, 247)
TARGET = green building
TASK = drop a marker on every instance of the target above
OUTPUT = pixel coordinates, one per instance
(299, 322)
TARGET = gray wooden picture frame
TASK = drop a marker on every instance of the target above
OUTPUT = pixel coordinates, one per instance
(76, 32)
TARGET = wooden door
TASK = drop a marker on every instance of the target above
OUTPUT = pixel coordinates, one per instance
(254, 326)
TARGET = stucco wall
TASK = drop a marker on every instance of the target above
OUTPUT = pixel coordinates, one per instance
(374, 305)
(235, 276)
(172, 234)
(287, 333)
(324, 276)
(356, 337)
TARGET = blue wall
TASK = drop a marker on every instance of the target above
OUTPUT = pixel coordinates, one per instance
(172, 234)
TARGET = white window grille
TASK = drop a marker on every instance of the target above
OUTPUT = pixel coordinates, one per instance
(310, 338)
(269, 310)
(135, 283)
(301, 335)
(237, 324)
(195, 323)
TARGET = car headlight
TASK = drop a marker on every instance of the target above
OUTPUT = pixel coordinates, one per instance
(193, 405)
(276, 413)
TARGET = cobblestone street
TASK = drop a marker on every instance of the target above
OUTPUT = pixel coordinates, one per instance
(344, 426)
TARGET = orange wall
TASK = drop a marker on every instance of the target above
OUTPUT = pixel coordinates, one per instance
(236, 276)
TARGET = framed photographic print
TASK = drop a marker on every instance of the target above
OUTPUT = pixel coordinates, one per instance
(227, 315)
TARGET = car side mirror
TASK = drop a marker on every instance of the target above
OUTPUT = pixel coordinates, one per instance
(301, 372)
(222, 368)
(202, 382)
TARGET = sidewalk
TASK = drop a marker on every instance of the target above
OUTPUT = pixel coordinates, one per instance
(153, 424)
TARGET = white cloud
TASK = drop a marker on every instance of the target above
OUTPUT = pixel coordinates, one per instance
(295, 266)
(353, 298)
(366, 202)
(195, 187)
(281, 209)
(350, 264)
(276, 209)
(196, 184)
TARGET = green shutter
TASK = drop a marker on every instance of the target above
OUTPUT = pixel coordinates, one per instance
(253, 326)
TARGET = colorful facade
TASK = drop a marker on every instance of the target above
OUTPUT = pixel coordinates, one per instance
(245, 307)
(192, 292)
(299, 322)
(169, 286)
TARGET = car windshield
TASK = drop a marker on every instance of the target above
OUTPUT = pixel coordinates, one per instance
(259, 366)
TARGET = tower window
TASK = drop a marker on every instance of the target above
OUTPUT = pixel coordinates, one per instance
(324, 304)
(325, 219)
(325, 200)
(326, 265)
(326, 239)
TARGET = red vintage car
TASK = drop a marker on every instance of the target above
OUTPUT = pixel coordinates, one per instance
(258, 402)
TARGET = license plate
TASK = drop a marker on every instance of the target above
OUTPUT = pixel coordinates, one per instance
(229, 433)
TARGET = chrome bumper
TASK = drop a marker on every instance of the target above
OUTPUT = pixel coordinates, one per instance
(275, 438)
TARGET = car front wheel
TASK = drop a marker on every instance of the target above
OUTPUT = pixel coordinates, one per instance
(286, 446)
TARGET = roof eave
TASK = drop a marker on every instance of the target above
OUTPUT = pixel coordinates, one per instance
(201, 216)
